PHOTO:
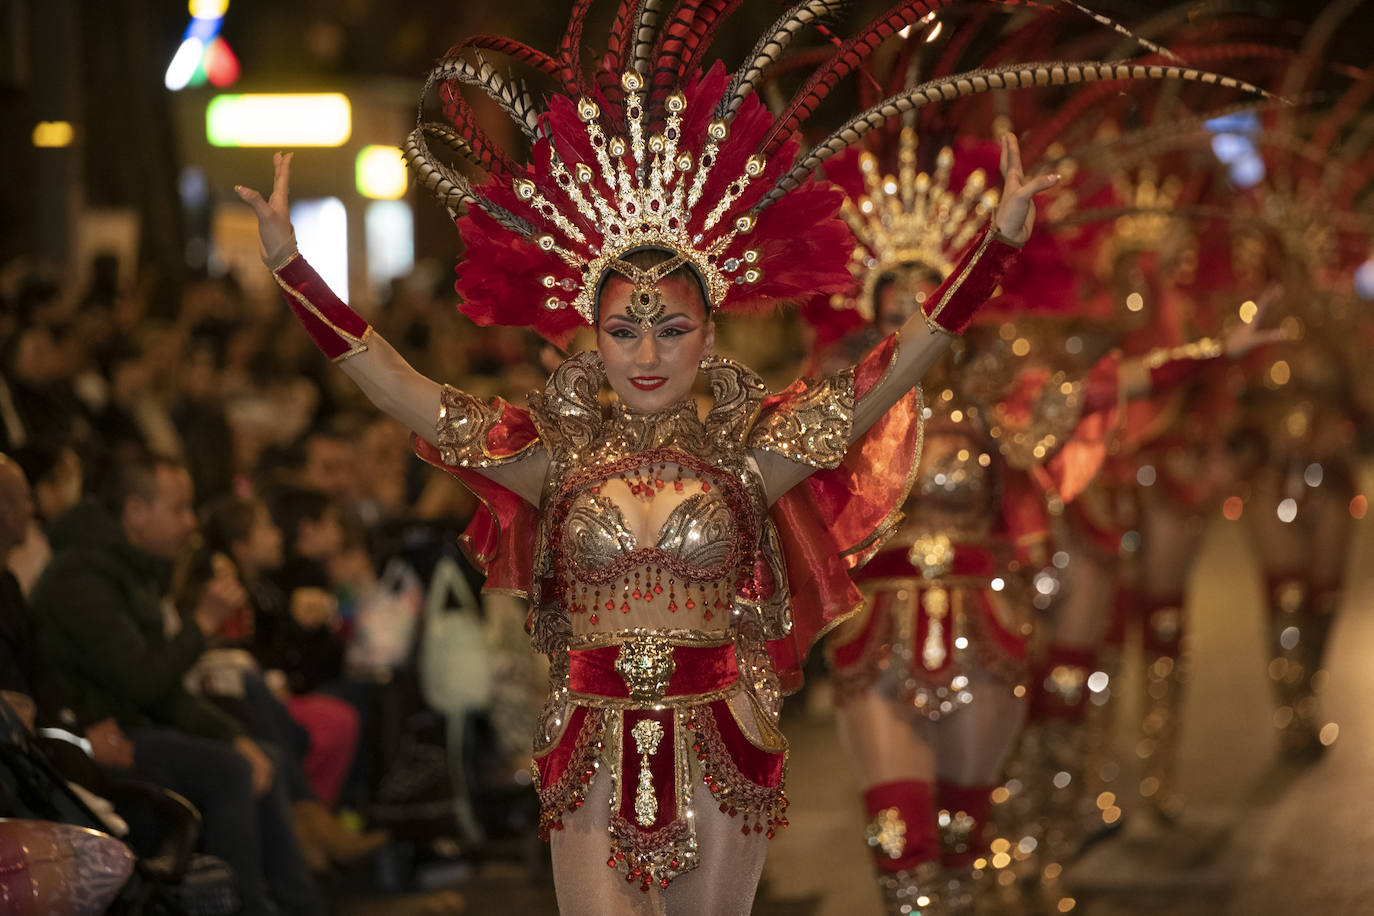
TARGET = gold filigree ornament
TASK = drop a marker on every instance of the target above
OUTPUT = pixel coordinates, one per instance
(933, 554)
(646, 301)
(647, 665)
(912, 219)
(648, 733)
(887, 831)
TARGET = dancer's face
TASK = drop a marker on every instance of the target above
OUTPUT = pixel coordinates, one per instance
(650, 369)
(899, 297)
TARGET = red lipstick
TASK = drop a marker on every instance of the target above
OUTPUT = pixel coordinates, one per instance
(647, 382)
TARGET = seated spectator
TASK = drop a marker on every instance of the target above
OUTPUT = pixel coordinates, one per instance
(106, 630)
(308, 646)
(55, 476)
(244, 531)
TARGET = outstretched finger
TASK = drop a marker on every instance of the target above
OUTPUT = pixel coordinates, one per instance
(1037, 185)
(253, 199)
(281, 176)
(1011, 155)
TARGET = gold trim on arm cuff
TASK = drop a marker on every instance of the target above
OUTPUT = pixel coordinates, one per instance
(282, 258)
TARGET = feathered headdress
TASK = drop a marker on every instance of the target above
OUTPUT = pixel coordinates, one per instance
(655, 153)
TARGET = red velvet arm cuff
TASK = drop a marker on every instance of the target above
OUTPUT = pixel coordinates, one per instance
(971, 283)
(337, 330)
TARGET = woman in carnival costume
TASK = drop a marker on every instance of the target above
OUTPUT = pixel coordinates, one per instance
(931, 677)
(678, 566)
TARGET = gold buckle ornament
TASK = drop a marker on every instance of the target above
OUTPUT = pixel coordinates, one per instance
(646, 665)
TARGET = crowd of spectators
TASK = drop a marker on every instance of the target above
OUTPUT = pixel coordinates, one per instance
(220, 564)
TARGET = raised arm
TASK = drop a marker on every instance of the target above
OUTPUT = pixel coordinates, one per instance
(387, 379)
(943, 316)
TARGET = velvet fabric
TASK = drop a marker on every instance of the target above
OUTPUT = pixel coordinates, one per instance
(661, 766)
(974, 801)
(1047, 704)
(697, 669)
(915, 804)
(299, 276)
(761, 767)
(894, 563)
(553, 764)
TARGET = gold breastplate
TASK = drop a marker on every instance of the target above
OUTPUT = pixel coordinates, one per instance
(955, 490)
(699, 535)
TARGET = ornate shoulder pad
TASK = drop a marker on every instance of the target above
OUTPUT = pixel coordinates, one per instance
(472, 433)
(737, 393)
(567, 412)
(810, 422)
(1054, 412)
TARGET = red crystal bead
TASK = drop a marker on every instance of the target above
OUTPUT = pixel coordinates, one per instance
(610, 863)
(663, 883)
(675, 864)
(593, 620)
(744, 830)
(706, 486)
(637, 594)
(658, 589)
(758, 828)
(672, 605)
(733, 811)
(769, 834)
(691, 604)
(610, 605)
(724, 807)
(677, 485)
(625, 607)
(708, 615)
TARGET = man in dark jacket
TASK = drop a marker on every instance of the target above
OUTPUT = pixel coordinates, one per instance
(105, 628)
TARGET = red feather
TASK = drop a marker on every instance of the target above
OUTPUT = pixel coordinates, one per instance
(569, 51)
(618, 43)
(516, 49)
(493, 159)
(850, 55)
(681, 40)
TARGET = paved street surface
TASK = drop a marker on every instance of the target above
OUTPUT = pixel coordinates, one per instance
(1257, 837)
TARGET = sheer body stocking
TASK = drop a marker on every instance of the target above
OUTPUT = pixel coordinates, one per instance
(723, 884)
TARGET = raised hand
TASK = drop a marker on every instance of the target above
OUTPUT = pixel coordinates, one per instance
(1016, 212)
(1249, 335)
(274, 214)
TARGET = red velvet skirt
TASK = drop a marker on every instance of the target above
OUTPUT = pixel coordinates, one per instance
(921, 635)
(659, 717)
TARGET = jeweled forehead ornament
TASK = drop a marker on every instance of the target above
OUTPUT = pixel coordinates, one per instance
(646, 299)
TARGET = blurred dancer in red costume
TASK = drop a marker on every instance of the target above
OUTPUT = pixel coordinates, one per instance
(1145, 220)
(1297, 444)
(931, 677)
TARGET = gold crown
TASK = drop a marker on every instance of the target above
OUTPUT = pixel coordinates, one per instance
(654, 204)
(1149, 221)
(912, 218)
